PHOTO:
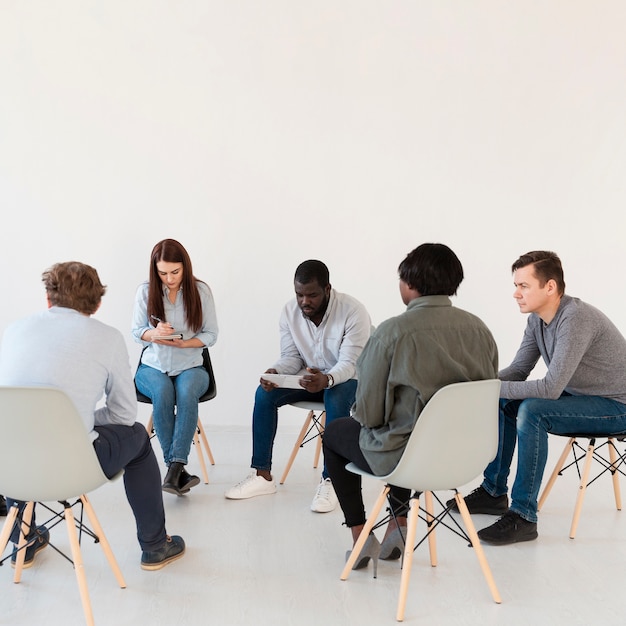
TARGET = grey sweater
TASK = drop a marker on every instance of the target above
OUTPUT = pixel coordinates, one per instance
(584, 352)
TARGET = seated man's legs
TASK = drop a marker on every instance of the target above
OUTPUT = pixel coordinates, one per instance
(159, 387)
(535, 419)
(128, 447)
(265, 421)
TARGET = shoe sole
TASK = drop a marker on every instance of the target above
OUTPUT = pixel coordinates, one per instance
(497, 542)
(174, 491)
(254, 495)
(320, 510)
(151, 567)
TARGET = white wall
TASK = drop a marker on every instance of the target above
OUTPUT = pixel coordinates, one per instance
(262, 133)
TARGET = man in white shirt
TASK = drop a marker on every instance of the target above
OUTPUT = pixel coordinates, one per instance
(322, 333)
(65, 347)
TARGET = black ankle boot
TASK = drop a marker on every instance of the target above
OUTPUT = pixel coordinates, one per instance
(187, 481)
(171, 484)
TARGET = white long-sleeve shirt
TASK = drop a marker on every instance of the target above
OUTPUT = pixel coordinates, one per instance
(88, 360)
(332, 347)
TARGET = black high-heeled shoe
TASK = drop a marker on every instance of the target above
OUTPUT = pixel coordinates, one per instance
(392, 546)
(370, 550)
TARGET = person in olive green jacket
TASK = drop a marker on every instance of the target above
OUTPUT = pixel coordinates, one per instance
(407, 359)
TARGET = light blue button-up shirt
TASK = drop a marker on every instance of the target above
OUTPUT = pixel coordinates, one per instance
(169, 359)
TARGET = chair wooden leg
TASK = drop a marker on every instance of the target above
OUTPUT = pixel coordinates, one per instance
(478, 549)
(78, 565)
(104, 543)
(407, 561)
(318, 446)
(360, 542)
(7, 528)
(27, 516)
(297, 445)
(582, 488)
(614, 460)
(205, 443)
(555, 473)
(198, 447)
(432, 538)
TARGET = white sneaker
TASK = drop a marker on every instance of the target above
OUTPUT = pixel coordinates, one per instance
(325, 499)
(250, 487)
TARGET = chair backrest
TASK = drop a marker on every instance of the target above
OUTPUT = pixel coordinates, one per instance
(455, 437)
(46, 452)
(209, 394)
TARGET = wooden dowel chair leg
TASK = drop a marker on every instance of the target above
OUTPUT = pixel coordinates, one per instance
(432, 538)
(205, 443)
(7, 528)
(407, 561)
(297, 445)
(198, 446)
(615, 474)
(478, 549)
(78, 565)
(582, 488)
(27, 516)
(555, 473)
(104, 543)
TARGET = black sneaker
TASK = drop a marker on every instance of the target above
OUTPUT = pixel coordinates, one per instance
(3, 506)
(36, 543)
(510, 528)
(173, 549)
(479, 501)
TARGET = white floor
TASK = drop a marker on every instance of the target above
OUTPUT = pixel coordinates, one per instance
(271, 561)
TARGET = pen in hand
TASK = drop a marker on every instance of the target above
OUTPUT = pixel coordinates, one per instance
(158, 319)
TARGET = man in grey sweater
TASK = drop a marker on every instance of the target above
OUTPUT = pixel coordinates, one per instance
(584, 390)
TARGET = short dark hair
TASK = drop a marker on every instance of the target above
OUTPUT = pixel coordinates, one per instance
(74, 285)
(311, 270)
(547, 266)
(432, 269)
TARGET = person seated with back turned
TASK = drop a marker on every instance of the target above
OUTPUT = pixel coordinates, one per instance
(174, 302)
(584, 390)
(407, 359)
(322, 331)
(65, 347)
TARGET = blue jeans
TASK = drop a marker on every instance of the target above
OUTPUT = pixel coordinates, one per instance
(127, 447)
(529, 422)
(174, 407)
(337, 402)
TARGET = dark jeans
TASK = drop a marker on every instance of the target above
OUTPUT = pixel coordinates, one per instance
(341, 446)
(337, 402)
(128, 448)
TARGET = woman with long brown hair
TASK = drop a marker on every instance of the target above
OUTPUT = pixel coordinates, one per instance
(174, 318)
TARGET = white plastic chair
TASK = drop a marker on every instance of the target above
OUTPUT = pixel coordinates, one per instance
(454, 438)
(313, 428)
(48, 456)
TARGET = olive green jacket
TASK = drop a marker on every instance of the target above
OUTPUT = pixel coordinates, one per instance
(406, 360)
